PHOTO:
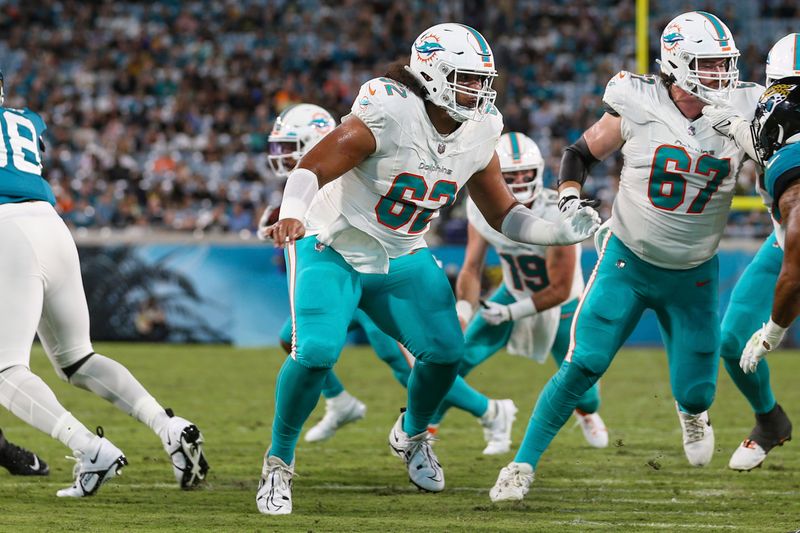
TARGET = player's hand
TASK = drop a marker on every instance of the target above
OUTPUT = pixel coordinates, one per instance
(268, 217)
(579, 220)
(723, 117)
(495, 313)
(285, 231)
(760, 344)
(464, 312)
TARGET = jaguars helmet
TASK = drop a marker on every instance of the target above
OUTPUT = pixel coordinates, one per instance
(295, 132)
(777, 118)
(518, 152)
(693, 36)
(783, 59)
(440, 59)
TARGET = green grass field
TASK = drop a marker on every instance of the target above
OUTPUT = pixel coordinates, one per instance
(642, 482)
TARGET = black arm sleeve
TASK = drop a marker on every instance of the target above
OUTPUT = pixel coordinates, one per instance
(576, 162)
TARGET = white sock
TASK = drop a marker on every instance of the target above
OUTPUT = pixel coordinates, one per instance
(25, 394)
(112, 381)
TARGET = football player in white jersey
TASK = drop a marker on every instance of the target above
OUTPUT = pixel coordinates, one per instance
(675, 192)
(750, 304)
(40, 280)
(297, 130)
(413, 139)
(532, 309)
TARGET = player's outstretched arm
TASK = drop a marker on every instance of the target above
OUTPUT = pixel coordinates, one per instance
(602, 139)
(786, 305)
(468, 282)
(503, 213)
(339, 151)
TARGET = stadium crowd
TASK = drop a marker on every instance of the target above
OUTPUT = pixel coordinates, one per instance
(159, 112)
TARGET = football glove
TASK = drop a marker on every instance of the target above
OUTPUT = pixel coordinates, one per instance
(760, 344)
(495, 313)
(268, 218)
(728, 122)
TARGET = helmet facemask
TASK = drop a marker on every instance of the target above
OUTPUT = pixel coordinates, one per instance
(524, 191)
(698, 78)
(479, 101)
(284, 155)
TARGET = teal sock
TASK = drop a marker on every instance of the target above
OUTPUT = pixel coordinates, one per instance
(590, 401)
(755, 387)
(427, 387)
(297, 393)
(553, 408)
(463, 396)
(332, 386)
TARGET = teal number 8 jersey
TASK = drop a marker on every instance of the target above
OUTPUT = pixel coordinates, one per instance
(21, 158)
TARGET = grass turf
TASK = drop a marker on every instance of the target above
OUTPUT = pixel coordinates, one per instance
(642, 482)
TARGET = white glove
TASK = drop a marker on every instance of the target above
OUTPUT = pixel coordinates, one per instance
(263, 222)
(579, 215)
(760, 344)
(495, 313)
(728, 122)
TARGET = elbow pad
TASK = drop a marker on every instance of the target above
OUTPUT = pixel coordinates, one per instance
(576, 162)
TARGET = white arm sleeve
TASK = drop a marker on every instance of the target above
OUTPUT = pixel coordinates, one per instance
(301, 186)
(740, 130)
(523, 226)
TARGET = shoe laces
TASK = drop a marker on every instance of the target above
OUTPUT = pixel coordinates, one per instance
(516, 478)
(694, 427)
(285, 474)
(420, 442)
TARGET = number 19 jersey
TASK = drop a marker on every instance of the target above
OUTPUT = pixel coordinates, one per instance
(20, 157)
(525, 265)
(389, 199)
(678, 177)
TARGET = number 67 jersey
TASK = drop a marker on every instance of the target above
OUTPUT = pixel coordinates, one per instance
(678, 177)
(382, 208)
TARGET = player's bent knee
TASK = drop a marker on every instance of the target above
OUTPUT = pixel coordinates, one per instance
(318, 352)
(697, 398)
(66, 372)
(731, 346)
(576, 376)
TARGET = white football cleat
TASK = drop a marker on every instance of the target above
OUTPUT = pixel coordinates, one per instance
(339, 411)
(497, 423)
(274, 494)
(593, 427)
(772, 429)
(513, 483)
(93, 467)
(424, 469)
(698, 437)
(183, 442)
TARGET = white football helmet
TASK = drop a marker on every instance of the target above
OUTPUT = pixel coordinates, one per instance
(693, 36)
(441, 56)
(296, 130)
(519, 152)
(783, 59)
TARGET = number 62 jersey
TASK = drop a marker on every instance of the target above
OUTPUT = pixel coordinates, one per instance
(382, 208)
(678, 177)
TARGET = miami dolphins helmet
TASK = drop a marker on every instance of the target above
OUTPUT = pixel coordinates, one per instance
(690, 38)
(442, 57)
(518, 153)
(777, 118)
(783, 59)
(295, 132)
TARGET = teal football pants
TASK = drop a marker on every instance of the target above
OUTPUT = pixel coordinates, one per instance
(621, 287)
(412, 303)
(748, 310)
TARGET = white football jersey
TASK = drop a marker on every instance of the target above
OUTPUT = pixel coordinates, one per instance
(390, 198)
(525, 265)
(678, 177)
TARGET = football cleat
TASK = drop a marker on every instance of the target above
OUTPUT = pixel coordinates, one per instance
(424, 469)
(513, 483)
(183, 442)
(19, 461)
(497, 424)
(339, 411)
(772, 429)
(274, 494)
(698, 437)
(93, 467)
(593, 427)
